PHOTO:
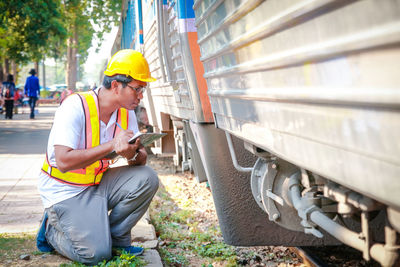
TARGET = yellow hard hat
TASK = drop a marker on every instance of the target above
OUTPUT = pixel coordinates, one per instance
(131, 63)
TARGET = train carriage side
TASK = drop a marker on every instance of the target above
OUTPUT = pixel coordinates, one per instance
(312, 90)
(169, 43)
(304, 95)
(164, 34)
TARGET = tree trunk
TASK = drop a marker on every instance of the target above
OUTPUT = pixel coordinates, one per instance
(6, 68)
(72, 48)
(44, 76)
(1, 73)
(14, 70)
(37, 68)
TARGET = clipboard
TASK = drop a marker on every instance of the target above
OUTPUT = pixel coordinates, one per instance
(145, 139)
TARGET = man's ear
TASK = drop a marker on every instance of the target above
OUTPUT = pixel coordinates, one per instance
(114, 86)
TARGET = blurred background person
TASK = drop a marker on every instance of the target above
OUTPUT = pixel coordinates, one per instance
(1, 101)
(8, 89)
(17, 100)
(32, 90)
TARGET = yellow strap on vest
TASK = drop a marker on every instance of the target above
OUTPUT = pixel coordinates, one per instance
(71, 177)
(122, 119)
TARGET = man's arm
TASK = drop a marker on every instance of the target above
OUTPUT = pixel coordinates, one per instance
(26, 87)
(68, 159)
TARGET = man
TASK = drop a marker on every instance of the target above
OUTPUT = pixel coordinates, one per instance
(32, 90)
(90, 208)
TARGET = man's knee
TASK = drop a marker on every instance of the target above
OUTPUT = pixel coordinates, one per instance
(93, 255)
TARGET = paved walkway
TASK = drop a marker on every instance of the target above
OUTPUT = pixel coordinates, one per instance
(22, 150)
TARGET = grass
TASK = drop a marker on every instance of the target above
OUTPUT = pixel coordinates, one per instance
(14, 245)
(122, 260)
(177, 226)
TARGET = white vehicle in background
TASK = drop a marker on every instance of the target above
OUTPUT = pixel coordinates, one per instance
(57, 87)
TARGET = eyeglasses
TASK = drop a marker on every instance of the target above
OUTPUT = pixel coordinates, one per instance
(139, 89)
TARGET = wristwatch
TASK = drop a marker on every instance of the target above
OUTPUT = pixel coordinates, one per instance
(134, 157)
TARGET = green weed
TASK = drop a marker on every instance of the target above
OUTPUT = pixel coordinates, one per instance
(123, 260)
(183, 236)
(173, 258)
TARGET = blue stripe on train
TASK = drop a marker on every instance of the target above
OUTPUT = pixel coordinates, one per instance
(140, 20)
(185, 9)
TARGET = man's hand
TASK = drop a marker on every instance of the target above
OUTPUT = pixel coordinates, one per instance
(121, 144)
(141, 157)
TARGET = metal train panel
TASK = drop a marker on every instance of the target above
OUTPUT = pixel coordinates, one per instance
(307, 80)
(160, 98)
(304, 94)
(168, 39)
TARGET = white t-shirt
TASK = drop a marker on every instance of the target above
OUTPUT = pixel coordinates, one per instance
(68, 130)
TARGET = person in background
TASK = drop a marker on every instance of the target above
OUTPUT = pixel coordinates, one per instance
(17, 100)
(8, 92)
(32, 90)
(90, 208)
(1, 102)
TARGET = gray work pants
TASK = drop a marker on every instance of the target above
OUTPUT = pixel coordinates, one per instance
(82, 228)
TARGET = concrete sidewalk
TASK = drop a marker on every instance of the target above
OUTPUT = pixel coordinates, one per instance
(22, 151)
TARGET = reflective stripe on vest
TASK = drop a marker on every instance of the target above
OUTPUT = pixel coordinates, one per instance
(92, 174)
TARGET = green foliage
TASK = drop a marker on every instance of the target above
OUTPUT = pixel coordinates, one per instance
(181, 216)
(123, 260)
(26, 28)
(215, 250)
(178, 228)
(173, 258)
(88, 19)
(104, 13)
(11, 245)
(46, 94)
(10, 242)
(31, 30)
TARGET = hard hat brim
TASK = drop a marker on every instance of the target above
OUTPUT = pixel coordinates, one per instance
(150, 79)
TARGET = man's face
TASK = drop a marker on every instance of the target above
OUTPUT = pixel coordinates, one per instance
(131, 94)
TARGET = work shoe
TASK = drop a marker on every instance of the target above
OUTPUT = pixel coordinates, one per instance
(41, 241)
(130, 249)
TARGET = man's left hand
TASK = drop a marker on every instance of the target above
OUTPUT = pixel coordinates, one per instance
(140, 159)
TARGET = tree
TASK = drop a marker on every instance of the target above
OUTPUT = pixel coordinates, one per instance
(33, 29)
(27, 28)
(87, 18)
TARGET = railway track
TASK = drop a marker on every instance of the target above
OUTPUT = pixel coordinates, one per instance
(332, 256)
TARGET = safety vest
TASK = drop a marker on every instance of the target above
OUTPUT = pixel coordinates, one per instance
(92, 174)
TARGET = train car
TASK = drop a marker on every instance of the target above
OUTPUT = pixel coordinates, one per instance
(289, 109)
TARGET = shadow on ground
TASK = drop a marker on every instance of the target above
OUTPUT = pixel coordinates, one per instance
(24, 136)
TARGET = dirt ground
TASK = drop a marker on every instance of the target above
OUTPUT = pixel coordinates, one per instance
(184, 188)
